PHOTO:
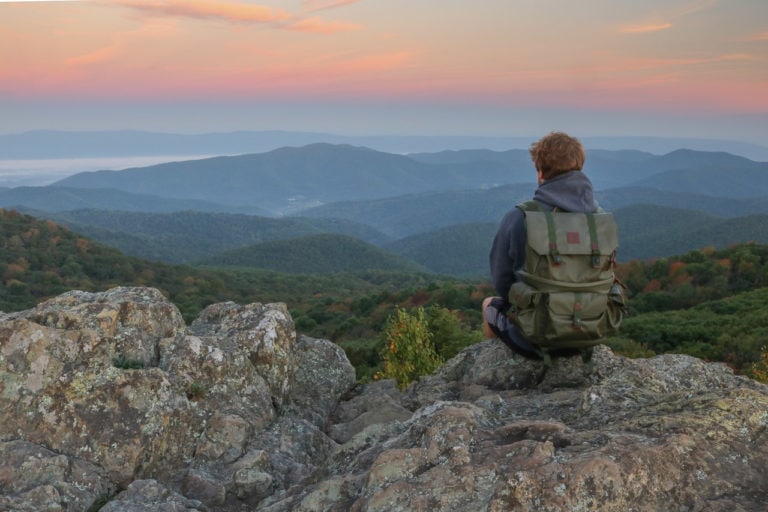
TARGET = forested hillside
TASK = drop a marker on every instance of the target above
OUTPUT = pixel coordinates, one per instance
(191, 236)
(459, 249)
(403, 216)
(41, 259)
(647, 231)
(313, 254)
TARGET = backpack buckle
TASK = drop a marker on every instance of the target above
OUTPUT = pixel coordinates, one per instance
(578, 325)
(595, 256)
(556, 258)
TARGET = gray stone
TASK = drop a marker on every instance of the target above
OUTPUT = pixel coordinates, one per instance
(151, 496)
(322, 375)
(35, 478)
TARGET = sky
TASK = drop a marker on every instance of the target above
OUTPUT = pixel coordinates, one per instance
(682, 68)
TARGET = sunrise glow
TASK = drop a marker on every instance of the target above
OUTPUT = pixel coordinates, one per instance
(682, 56)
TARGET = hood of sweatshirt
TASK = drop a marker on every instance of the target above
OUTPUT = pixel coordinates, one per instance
(571, 192)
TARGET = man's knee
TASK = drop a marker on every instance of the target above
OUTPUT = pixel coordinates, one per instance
(487, 331)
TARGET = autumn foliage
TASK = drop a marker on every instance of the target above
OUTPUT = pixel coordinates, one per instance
(409, 352)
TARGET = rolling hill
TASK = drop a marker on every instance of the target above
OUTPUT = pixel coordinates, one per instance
(458, 250)
(289, 179)
(403, 216)
(606, 169)
(645, 232)
(314, 254)
(650, 231)
(60, 199)
(719, 175)
(189, 236)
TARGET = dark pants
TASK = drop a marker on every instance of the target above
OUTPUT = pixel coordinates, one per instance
(506, 331)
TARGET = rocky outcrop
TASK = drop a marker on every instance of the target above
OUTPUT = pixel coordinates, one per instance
(109, 402)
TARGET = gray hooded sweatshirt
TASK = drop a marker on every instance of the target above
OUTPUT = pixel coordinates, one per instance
(570, 192)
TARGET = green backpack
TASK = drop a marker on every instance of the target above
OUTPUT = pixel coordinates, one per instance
(568, 295)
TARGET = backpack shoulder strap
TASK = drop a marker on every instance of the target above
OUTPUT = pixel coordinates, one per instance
(530, 206)
(534, 206)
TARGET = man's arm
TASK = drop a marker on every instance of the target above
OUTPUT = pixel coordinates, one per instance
(507, 252)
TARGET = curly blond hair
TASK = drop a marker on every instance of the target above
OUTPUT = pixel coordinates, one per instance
(557, 153)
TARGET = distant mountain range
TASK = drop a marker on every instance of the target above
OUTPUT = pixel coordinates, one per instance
(289, 180)
(65, 144)
(437, 211)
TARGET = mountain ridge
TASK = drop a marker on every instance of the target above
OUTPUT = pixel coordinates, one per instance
(58, 144)
(276, 179)
(292, 178)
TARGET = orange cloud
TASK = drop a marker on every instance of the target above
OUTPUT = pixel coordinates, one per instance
(317, 5)
(671, 12)
(239, 12)
(735, 56)
(642, 29)
(322, 26)
(209, 9)
(762, 36)
(123, 43)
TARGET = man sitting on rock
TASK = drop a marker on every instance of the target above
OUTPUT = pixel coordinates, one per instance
(558, 159)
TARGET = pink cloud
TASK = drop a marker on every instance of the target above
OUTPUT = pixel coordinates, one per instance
(321, 26)
(642, 29)
(209, 9)
(762, 36)
(244, 13)
(317, 5)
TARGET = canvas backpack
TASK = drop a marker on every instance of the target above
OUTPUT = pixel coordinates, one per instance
(567, 295)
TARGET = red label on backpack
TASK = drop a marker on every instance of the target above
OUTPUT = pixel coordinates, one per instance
(572, 237)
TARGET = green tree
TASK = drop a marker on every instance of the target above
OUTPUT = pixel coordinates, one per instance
(759, 370)
(449, 334)
(408, 352)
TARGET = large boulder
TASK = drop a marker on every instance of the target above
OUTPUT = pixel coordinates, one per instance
(116, 382)
(493, 431)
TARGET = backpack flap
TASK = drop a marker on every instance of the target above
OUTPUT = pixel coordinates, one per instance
(574, 248)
